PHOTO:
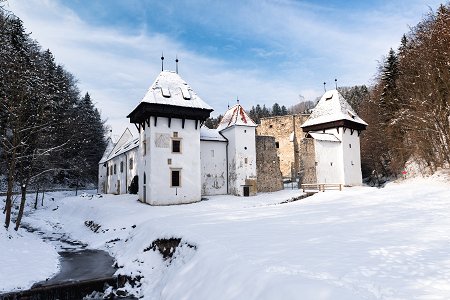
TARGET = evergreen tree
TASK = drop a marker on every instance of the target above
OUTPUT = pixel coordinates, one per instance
(276, 109)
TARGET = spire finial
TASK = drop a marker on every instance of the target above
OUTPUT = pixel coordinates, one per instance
(176, 62)
(162, 61)
(228, 104)
(324, 86)
(335, 81)
(237, 100)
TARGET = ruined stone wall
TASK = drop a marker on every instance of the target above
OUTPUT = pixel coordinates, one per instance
(307, 169)
(267, 165)
(288, 137)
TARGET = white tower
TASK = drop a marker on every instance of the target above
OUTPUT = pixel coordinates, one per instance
(239, 129)
(335, 128)
(169, 118)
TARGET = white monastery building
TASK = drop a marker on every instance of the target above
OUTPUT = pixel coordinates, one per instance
(335, 128)
(176, 160)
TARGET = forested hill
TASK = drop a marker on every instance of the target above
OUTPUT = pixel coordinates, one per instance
(409, 107)
(49, 132)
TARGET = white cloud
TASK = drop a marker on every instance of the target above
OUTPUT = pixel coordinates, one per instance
(117, 67)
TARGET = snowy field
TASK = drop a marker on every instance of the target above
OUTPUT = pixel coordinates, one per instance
(361, 243)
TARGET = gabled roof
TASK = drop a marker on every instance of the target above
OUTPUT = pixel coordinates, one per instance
(109, 147)
(113, 149)
(333, 107)
(235, 116)
(127, 146)
(207, 134)
(170, 96)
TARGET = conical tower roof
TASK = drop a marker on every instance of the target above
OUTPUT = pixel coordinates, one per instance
(331, 111)
(235, 116)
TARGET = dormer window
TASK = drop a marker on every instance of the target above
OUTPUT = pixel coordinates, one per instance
(185, 93)
(165, 92)
(329, 98)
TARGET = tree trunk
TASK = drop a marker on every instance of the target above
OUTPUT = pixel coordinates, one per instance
(76, 189)
(43, 194)
(9, 194)
(23, 189)
(37, 196)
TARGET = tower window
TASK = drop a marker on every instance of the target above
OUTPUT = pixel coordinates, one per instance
(176, 146)
(121, 167)
(349, 145)
(131, 163)
(175, 178)
(115, 169)
(277, 145)
(331, 163)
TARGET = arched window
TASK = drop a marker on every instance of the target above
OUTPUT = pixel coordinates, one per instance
(145, 178)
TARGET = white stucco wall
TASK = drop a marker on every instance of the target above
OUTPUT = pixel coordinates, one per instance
(118, 183)
(157, 168)
(352, 157)
(241, 157)
(328, 162)
(213, 167)
(346, 159)
(101, 188)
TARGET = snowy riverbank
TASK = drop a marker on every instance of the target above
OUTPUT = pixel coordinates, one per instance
(362, 243)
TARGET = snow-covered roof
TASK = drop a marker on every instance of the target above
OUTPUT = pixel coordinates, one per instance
(127, 146)
(332, 107)
(109, 147)
(329, 137)
(235, 115)
(170, 89)
(207, 134)
(125, 143)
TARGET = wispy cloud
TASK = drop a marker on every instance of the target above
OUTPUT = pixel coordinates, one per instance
(259, 51)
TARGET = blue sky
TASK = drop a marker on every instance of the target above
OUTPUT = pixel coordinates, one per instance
(262, 51)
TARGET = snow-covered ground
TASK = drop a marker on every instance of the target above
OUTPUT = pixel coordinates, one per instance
(361, 243)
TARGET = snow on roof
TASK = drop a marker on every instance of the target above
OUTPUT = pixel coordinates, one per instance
(127, 146)
(235, 115)
(109, 147)
(120, 146)
(170, 89)
(332, 107)
(207, 134)
(329, 137)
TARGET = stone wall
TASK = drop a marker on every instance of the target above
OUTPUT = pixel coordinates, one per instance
(267, 165)
(307, 168)
(291, 149)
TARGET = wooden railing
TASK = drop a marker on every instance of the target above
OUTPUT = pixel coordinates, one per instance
(321, 187)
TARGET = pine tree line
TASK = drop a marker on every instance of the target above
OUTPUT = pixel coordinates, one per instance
(409, 107)
(48, 133)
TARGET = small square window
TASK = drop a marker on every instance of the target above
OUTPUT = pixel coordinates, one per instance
(169, 161)
(270, 126)
(175, 134)
(331, 163)
(349, 145)
(277, 145)
(176, 146)
(246, 160)
(175, 182)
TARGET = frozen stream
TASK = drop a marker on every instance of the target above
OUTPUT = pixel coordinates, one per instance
(77, 262)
